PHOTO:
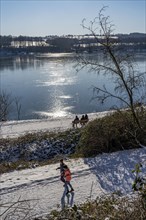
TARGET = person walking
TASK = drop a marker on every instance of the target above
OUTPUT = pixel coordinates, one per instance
(67, 177)
(61, 167)
(86, 117)
(75, 121)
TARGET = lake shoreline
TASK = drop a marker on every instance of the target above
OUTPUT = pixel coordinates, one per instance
(14, 128)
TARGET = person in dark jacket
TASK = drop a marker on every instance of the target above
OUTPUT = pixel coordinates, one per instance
(82, 118)
(61, 167)
(86, 117)
(65, 176)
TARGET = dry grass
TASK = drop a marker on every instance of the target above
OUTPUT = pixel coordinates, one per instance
(105, 208)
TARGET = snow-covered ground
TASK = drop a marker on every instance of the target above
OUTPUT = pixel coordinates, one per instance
(16, 128)
(91, 177)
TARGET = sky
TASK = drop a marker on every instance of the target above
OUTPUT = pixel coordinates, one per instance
(52, 17)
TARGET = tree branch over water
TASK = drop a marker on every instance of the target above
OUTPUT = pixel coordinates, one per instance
(114, 62)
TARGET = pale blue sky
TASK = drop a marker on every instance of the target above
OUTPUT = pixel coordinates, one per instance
(52, 17)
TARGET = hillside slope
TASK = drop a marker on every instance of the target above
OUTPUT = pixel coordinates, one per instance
(91, 177)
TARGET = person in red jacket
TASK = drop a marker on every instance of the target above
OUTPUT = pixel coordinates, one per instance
(67, 177)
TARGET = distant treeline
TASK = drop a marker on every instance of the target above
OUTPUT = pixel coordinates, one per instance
(69, 43)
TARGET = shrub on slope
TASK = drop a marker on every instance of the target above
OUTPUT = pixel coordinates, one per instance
(40, 148)
(106, 208)
(111, 133)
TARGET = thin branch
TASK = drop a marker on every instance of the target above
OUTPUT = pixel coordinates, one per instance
(109, 94)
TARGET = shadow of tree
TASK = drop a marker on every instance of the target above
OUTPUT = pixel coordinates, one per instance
(114, 171)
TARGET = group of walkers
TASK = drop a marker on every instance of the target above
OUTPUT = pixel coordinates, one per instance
(65, 176)
(84, 117)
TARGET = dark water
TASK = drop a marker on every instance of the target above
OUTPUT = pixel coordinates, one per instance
(51, 87)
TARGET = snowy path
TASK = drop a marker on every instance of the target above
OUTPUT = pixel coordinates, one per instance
(43, 185)
(91, 177)
(17, 128)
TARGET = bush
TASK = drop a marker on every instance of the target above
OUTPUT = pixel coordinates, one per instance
(106, 208)
(38, 148)
(139, 184)
(111, 133)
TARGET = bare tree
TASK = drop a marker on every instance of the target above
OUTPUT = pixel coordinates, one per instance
(116, 63)
(5, 103)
